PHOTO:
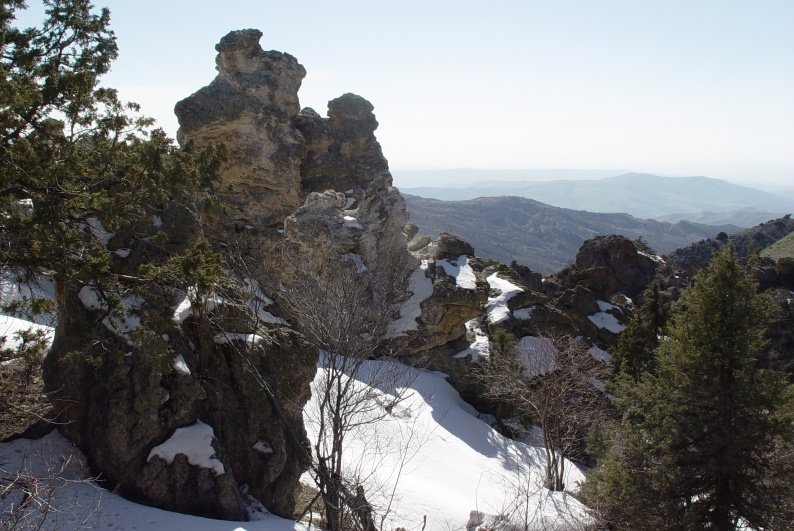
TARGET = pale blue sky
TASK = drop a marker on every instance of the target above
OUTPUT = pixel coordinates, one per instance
(671, 87)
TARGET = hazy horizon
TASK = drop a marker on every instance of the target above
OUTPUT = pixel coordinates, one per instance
(671, 88)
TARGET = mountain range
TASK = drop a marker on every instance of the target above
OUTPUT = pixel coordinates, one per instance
(543, 237)
(699, 199)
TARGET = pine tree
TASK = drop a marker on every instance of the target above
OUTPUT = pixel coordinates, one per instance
(702, 443)
(73, 157)
(636, 349)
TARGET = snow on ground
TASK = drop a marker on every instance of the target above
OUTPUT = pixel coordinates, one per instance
(481, 347)
(99, 231)
(523, 314)
(599, 354)
(439, 460)
(428, 455)
(538, 354)
(460, 270)
(608, 321)
(195, 443)
(180, 365)
(605, 306)
(497, 309)
(80, 503)
(421, 288)
(14, 289)
(122, 321)
(9, 326)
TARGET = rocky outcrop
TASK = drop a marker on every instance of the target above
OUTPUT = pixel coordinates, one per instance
(291, 183)
(250, 110)
(129, 390)
(612, 264)
(447, 310)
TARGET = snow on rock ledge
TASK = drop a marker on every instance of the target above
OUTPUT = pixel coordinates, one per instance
(497, 309)
(422, 289)
(195, 443)
(481, 347)
(607, 321)
(461, 271)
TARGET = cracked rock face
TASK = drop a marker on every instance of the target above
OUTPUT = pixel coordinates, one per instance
(250, 110)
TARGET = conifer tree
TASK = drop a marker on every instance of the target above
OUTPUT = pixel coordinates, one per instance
(636, 349)
(74, 159)
(702, 444)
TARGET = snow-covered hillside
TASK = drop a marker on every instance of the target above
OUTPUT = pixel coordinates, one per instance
(426, 461)
(430, 457)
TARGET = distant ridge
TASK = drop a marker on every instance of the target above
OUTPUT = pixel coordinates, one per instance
(639, 194)
(543, 237)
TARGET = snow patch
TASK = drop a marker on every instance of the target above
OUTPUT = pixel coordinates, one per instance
(157, 221)
(11, 326)
(605, 306)
(14, 289)
(496, 308)
(442, 460)
(99, 231)
(421, 288)
(607, 321)
(195, 443)
(353, 223)
(538, 354)
(90, 298)
(81, 503)
(180, 365)
(182, 310)
(655, 258)
(523, 314)
(263, 447)
(460, 270)
(121, 321)
(122, 253)
(481, 347)
(599, 354)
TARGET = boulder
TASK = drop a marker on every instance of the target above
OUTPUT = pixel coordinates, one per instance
(612, 264)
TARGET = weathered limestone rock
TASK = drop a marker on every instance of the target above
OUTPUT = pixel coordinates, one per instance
(444, 314)
(250, 110)
(368, 216)
(185, 488)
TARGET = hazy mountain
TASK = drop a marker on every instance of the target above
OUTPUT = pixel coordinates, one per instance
(638, 194)
(743, 217)
(541, 236)
(478, 178)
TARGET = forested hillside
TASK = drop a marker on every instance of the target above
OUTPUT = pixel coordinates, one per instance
(541, 236)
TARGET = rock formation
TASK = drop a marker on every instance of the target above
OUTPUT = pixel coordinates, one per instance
(291, 181)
